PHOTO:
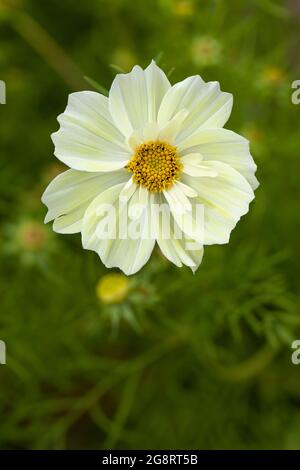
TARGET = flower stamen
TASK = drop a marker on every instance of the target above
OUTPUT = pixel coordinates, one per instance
(155, 165)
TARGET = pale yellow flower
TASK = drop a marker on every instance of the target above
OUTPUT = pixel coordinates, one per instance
(206, 51)
(183, 8)
(150, 144)
(112, 288)
(32, 236)
(273, 76)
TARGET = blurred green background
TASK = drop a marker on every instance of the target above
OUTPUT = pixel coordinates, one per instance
(163, 359)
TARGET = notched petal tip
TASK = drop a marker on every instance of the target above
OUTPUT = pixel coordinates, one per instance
(54, 135)
(47, 218)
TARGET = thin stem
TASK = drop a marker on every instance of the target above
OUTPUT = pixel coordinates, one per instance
(41, 41)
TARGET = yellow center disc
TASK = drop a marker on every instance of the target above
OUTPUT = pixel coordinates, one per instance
(155, 165)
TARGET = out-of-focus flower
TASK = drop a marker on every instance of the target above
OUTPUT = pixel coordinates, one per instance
(112, 288)
(30, 240)
(271, 82)
(150, 146)
(124, 58)
(183, 8)
(273, 76)
(206, 51)
(125, 299)
(32, 236)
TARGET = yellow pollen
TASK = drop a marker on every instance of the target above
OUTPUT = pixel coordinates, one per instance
(155, 165)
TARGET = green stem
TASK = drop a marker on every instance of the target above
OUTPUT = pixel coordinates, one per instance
(30, 30)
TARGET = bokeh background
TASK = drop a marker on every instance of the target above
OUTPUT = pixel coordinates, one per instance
(163, 359)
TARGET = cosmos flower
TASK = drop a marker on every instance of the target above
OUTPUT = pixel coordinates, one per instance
(150, 143)
(273, 76)
(112, 288)
(206, 51)
(30, 240)
(183, 8)
(125, 300)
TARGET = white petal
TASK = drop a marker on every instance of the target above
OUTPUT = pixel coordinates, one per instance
(207, 105)
(128, 190)
(70, 193)
(143, 196)
(195, 170)
(87, 139)
(189, 251)
(157, 86)
(134, 140)
(177, 248)
(95, 212)
(128, 254)
(174, 250)
(135, 208)
(193, 166)
(134, 98)
(70, 223)
(150, 131)
(177, 199)
(226, 198)
(225, 146)
(187, 190)
(190, 222)
(170, 130)
(192, 159)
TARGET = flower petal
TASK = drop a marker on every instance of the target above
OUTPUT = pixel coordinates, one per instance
(135, 97)
(225, 146)
(192, 158)
(128, 190)
(87, 139)
(207, 105)
(177, 199)
(170, 130)
(192, 165)
(127, 253)
(190, 222)
(225, 198)
(188, 191)
(157, 86)
(176, 247)
(70, 223)
(70, 193)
